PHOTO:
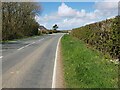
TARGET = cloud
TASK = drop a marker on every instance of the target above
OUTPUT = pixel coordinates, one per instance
(109, 1)
(106, 5)
(107, 8)
(67, 18)
(71, 23)
(64, 10)
(81, 13)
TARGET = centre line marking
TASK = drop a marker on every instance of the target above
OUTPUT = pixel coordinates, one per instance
(41, 39)
(28, 45)
(21, 48)
(1, 56)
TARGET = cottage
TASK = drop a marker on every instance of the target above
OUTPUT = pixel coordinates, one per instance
(42, 30)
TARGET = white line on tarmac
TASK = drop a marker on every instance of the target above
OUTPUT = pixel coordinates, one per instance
(55, 64)
(28, 45)
(21, 48)
(41, 39)
(32, 43)
(2, 50)
(1, 56)
(25, 46)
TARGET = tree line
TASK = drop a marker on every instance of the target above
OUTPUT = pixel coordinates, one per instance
(104, 36)
(18, 19)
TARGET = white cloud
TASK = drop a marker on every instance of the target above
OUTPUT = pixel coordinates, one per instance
(64, 10)
(68, 18)
(110, 1)
(71, 23)
(107, 9)
(81, 13)
(106, 5)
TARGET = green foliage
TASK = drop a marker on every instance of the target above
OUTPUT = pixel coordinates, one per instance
(85, 67)
(54, 31)
(104, 36)
(18, 19)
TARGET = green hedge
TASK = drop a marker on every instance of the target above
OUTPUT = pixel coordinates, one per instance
(104, 36)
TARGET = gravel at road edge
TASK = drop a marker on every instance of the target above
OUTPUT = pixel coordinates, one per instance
(60, 71)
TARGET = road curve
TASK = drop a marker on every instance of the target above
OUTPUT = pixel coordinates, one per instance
(29, 63)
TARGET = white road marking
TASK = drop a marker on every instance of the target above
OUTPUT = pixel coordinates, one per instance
(20, 48)
(41, 39)
(1, 56)
(55, 64)
(12, 72)
(28, 45)
(2, 50)
(32, 43)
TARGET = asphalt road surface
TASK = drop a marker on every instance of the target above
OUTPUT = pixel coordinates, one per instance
(29, 63)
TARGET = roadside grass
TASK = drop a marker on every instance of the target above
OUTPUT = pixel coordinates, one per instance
(85, 67)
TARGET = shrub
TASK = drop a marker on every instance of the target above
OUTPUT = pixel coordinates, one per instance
(104, 36)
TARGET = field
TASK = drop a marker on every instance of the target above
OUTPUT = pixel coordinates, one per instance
(85, 67)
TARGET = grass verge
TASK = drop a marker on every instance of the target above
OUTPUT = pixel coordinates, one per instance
(85, 67)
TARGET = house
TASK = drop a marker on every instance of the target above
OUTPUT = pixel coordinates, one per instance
(42, 30)
(69, 31)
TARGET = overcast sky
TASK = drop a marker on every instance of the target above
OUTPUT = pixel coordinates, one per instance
(69, 15)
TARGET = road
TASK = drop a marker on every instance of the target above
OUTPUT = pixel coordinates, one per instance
(29, 63)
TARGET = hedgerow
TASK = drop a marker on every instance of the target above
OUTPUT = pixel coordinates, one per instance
(104, 36)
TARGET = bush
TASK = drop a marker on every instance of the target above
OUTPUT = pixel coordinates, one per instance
(104, 36)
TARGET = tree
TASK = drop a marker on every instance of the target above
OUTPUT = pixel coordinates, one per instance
(18, 19)
(55, 27)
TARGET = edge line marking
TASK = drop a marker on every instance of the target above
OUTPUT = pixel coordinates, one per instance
(55, 63)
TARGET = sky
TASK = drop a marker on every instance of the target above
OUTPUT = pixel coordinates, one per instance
(69, 15)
